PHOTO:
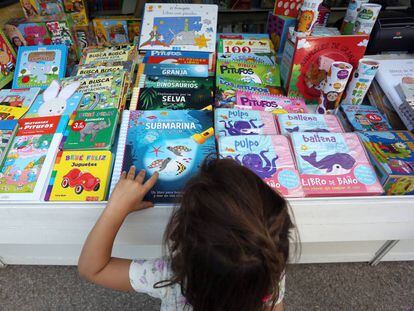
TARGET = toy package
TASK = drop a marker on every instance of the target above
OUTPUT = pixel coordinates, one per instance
(8, 129)
(7, 60)
(308, 122)
(235, 122)
(270, 103)
(334, 164)
(92, 129)
(116, 30)
(365, 118)
(278, 29)
(40, 65)
(269, 157)
(392, 154)
(80, 176)
(18, 97)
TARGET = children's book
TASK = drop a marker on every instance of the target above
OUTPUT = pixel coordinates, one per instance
(176, 57)
(29, 161)
(8, 129)
(392, 154)
(92, 129)
(80, 176)
(40, 65)
(307, 122)
(258, 58)
(104, 67)
(334, 164)
(271, 103)
(269, 157)
(12, 113)
(176, 26)
(18, 97)
(110, 54)
(242, 36)
(365, 118)
(174, 70)
(163, 82)
(7, 60)
(116, 30)
(244, 46)
(171, 142)
(166, 98)
(235, 122)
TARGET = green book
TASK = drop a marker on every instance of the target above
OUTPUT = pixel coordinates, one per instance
(165, 82)
(92, 129)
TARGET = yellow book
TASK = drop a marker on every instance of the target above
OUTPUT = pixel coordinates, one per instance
(80, 176)
(12, 113)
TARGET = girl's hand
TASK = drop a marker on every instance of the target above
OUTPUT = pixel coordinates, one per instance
(130, 191)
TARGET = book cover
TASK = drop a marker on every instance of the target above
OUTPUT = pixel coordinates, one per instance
(18, 97)
(29, 161)
(334, 164)
(392, 154)
(258, 58)
(7, 60)
(235, 122)
(173, 143)
(175, 70)
(115, 54)
(164, 82)
(269, 157)
(245, 46)
(242, 36)
(308, 122)
(8, 129)
(176, 26)
(92, 129)
(12, 113)
(365, 118)
(176, 57)
(116, 30)
(80, 176)
(40, 65)
(105, 67)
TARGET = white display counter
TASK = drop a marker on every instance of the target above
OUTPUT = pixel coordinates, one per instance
(330, 229)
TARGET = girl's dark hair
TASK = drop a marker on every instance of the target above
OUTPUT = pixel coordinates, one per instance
(228, 241)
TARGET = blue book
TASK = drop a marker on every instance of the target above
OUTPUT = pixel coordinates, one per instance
(175, 70)
(176, 54)
(365, 118)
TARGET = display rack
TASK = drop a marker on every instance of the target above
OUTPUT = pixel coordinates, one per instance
(330, 230)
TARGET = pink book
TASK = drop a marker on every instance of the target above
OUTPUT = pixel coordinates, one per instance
(334, 164)
(295, 122)
(269, 157)
(272, 103)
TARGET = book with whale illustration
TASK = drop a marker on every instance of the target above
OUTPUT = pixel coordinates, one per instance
(269, 157)
(306, 122)
(171, 142)
(334, 164)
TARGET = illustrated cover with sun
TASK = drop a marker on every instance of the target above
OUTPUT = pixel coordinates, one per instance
(173, 143)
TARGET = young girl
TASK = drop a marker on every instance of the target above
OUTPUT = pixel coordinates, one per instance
(227, 243)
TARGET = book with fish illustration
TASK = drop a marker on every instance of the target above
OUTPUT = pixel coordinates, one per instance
(8, 129)
(92, 129)
(334, 164)
(171, 142)
(12, 113)
(269, 157)
(365, 118)
(123, 53)
(392, 154)
(308, 122)
(38, 66)
(29, 161)
(259, 58)
(80, 176)
(7, 60)
(271, 103)
(18, 97)
(176, 26)
(235, 122)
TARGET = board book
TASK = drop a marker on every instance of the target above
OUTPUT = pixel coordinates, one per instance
(268, 156)
(38, 66)
(8, 129)
(334, 164)
(12, 113)
(308, 122)
(92, 129)
(123, 53)
(7, 60)
(365, 118)
(174, 70)
(80, 176)
(235, 122)
(116, 30)
(29, 161)
(392, 154)
(258, 58)
(176, 57)
(245, 46)
(18, 97)
(104, 67)
(163, 82)
(176, 26)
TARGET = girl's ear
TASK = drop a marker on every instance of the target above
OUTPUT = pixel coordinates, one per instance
(52, 91)
(68, 90)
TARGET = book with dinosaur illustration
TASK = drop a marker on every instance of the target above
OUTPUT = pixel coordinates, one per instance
(364, 118)
(29, 161)
(392, 154)
(92, 129)
(81, 175)
(12, 113)
(271, 103)
(171, 142)
(236, 122)
(164, 82)
(308, 122)
(7, 60)
(179, 26)
(269, 157)
(40, 65)
(334, 164)
(18, 97)
(258, 58)
(8, 129)
(109, 54)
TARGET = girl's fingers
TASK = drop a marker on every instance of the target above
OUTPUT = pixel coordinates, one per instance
(150, 182)
(140, 177)
(123, 175)
(131, 173)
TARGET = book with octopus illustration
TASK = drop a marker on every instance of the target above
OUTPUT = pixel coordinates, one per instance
(18, 97)
(392, 154)
(236, 122)
(171, 142)
(176, 26)
(269, 157)
(307, 122)
(334, 164)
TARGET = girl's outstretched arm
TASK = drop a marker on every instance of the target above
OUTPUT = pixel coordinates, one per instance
(95, 262)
